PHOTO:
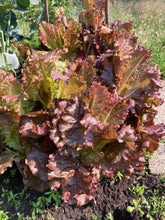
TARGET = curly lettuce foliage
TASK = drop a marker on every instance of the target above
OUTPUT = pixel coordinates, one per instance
(82, 108)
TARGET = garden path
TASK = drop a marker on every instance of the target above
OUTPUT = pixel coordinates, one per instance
(157, 163)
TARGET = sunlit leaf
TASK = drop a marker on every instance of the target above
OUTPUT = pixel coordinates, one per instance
(106, 106)
(58, 36)
(34, 125)
(151, 136)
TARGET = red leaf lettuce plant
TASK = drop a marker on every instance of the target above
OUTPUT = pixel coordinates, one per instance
(83, 107)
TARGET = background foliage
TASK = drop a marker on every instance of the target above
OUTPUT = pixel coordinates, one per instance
(147, 16)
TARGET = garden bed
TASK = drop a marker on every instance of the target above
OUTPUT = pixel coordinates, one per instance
(111, 199)
(114, 199)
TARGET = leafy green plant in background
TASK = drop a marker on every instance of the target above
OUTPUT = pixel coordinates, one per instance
(19, 21)
(23, 4)
(15, 26)
(7, 20)
(9, 32)
(83, 107)
(72, 8)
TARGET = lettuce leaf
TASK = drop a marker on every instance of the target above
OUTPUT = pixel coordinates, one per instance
(66, 129)
(12, 93)
(84, 106)
(106, 106)
(35, 171)
(57, 35)
(78, 183)
(34, 124)
(9, 121)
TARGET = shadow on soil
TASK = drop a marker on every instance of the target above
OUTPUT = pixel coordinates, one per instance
(111, 197)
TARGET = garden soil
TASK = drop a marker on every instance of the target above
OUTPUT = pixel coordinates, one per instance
(111, 197)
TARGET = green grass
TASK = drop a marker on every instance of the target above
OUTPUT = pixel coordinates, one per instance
(148, 24)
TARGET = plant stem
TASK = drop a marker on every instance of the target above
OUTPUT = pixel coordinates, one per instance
(7, 35)
(46, 10)
(107, 12)
(2, 42)
(6, 63)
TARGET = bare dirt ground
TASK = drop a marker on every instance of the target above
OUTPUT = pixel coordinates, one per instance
(157, 162)
(111, 197)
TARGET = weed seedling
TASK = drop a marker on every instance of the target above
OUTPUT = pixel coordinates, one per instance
(13, 172)
(95, 217)
(13, 198)
(139, 190)
(154, 206)
(117, 178)
(3, 215)
(162, 176)
(6, 181)
(136, 206)
(45, 200)
(109, 216)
